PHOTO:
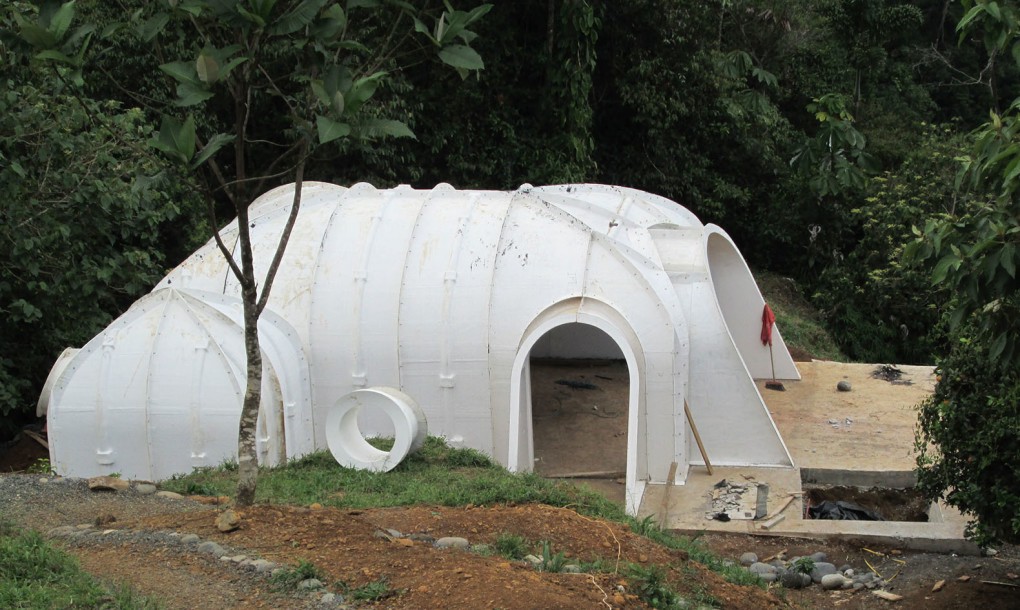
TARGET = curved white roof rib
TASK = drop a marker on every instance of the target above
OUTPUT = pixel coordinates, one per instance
(441, 294)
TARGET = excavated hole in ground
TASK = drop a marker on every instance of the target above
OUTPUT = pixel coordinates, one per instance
(892, 504)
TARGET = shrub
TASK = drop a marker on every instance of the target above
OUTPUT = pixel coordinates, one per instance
(966, 439)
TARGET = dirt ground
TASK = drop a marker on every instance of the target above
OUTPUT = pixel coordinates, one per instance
(345, 544)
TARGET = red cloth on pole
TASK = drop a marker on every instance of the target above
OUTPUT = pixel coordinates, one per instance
(767, 320)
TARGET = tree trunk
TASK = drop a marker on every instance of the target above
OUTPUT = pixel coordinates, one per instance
(247, 456)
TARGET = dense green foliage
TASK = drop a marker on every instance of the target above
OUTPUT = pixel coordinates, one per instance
(967, 436)
(88, 222)
(818, 133)
(968, 432)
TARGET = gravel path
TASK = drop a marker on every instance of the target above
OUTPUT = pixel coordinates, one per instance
(163, 565)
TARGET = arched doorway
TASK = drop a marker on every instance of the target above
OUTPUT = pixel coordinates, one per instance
(580, 390)
(579, 316)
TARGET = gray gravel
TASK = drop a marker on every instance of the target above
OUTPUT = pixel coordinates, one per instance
(71, 515)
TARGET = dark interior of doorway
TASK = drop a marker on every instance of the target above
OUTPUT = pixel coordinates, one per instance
(580, 390)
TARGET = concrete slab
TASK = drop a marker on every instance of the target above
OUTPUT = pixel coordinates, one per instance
(864, 437)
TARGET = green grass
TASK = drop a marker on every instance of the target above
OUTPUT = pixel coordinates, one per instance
(289, 578)
(799, 322)
(34, 574)
(437, 475)
(445, 476)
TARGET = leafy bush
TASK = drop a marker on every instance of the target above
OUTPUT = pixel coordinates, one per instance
(878, 308)
(84, 231)
(966, 439)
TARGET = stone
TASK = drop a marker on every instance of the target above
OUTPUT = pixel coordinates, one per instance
(44, 480)
(211, 548)
(309, 583)
(190, 538)
(228, 521)
(821, 569)
(108, 484)
(169, 495)
(762, 568)
(145, 488)
(62, 531)
(831, 582)
(792, 580)
(394, 533)
(748, 558)
(572, 568)
(451, 542)
(422, 538)
(847, 571)
(329, 598)
(819, 556)
(315, 506)
(844, 386)
(263, 565)
(769, 577)
(238, 558)
(533, 560)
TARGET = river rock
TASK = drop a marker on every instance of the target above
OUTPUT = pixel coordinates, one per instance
(831, 582)
(108, 484)
(451, 542)
(748, 558)
(228, 521)
(821, 569)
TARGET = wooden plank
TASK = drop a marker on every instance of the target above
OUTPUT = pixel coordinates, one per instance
(697, 437)
(771, 523)
(594, 474)
(36, 437)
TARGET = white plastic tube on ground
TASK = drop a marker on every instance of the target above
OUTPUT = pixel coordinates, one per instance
(348, 445)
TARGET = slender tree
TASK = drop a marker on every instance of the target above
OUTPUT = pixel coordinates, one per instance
(258, 86)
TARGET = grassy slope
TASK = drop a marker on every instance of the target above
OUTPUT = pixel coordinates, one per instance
(34, 574)
(800, 324)
(436, 475)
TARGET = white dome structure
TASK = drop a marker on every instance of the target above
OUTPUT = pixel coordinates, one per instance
(443, 295)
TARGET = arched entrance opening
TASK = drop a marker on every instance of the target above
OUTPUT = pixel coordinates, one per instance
(580, 391)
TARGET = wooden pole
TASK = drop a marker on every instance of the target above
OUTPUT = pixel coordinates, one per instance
(697, 437)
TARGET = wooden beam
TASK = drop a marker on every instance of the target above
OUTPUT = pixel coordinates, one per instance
(697, 437)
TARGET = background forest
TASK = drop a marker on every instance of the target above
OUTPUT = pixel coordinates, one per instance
(826, 136)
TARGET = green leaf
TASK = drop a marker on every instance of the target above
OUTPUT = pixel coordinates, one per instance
(461, 56)
(207, 68)
(993, 9)
(330, 130)
(189, 94)
(379, 128)
(215, 143)
(997, 346)
(152, 26)
(182, 71)
(362, 90)
(61, 20)
(34, 34)
(55, 56)
(176, 139)
(362, 4)
(332, 24)
(948, 261)
(297, 18)
(1007, 259)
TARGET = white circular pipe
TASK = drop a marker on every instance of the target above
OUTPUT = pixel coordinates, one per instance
(348, 444)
